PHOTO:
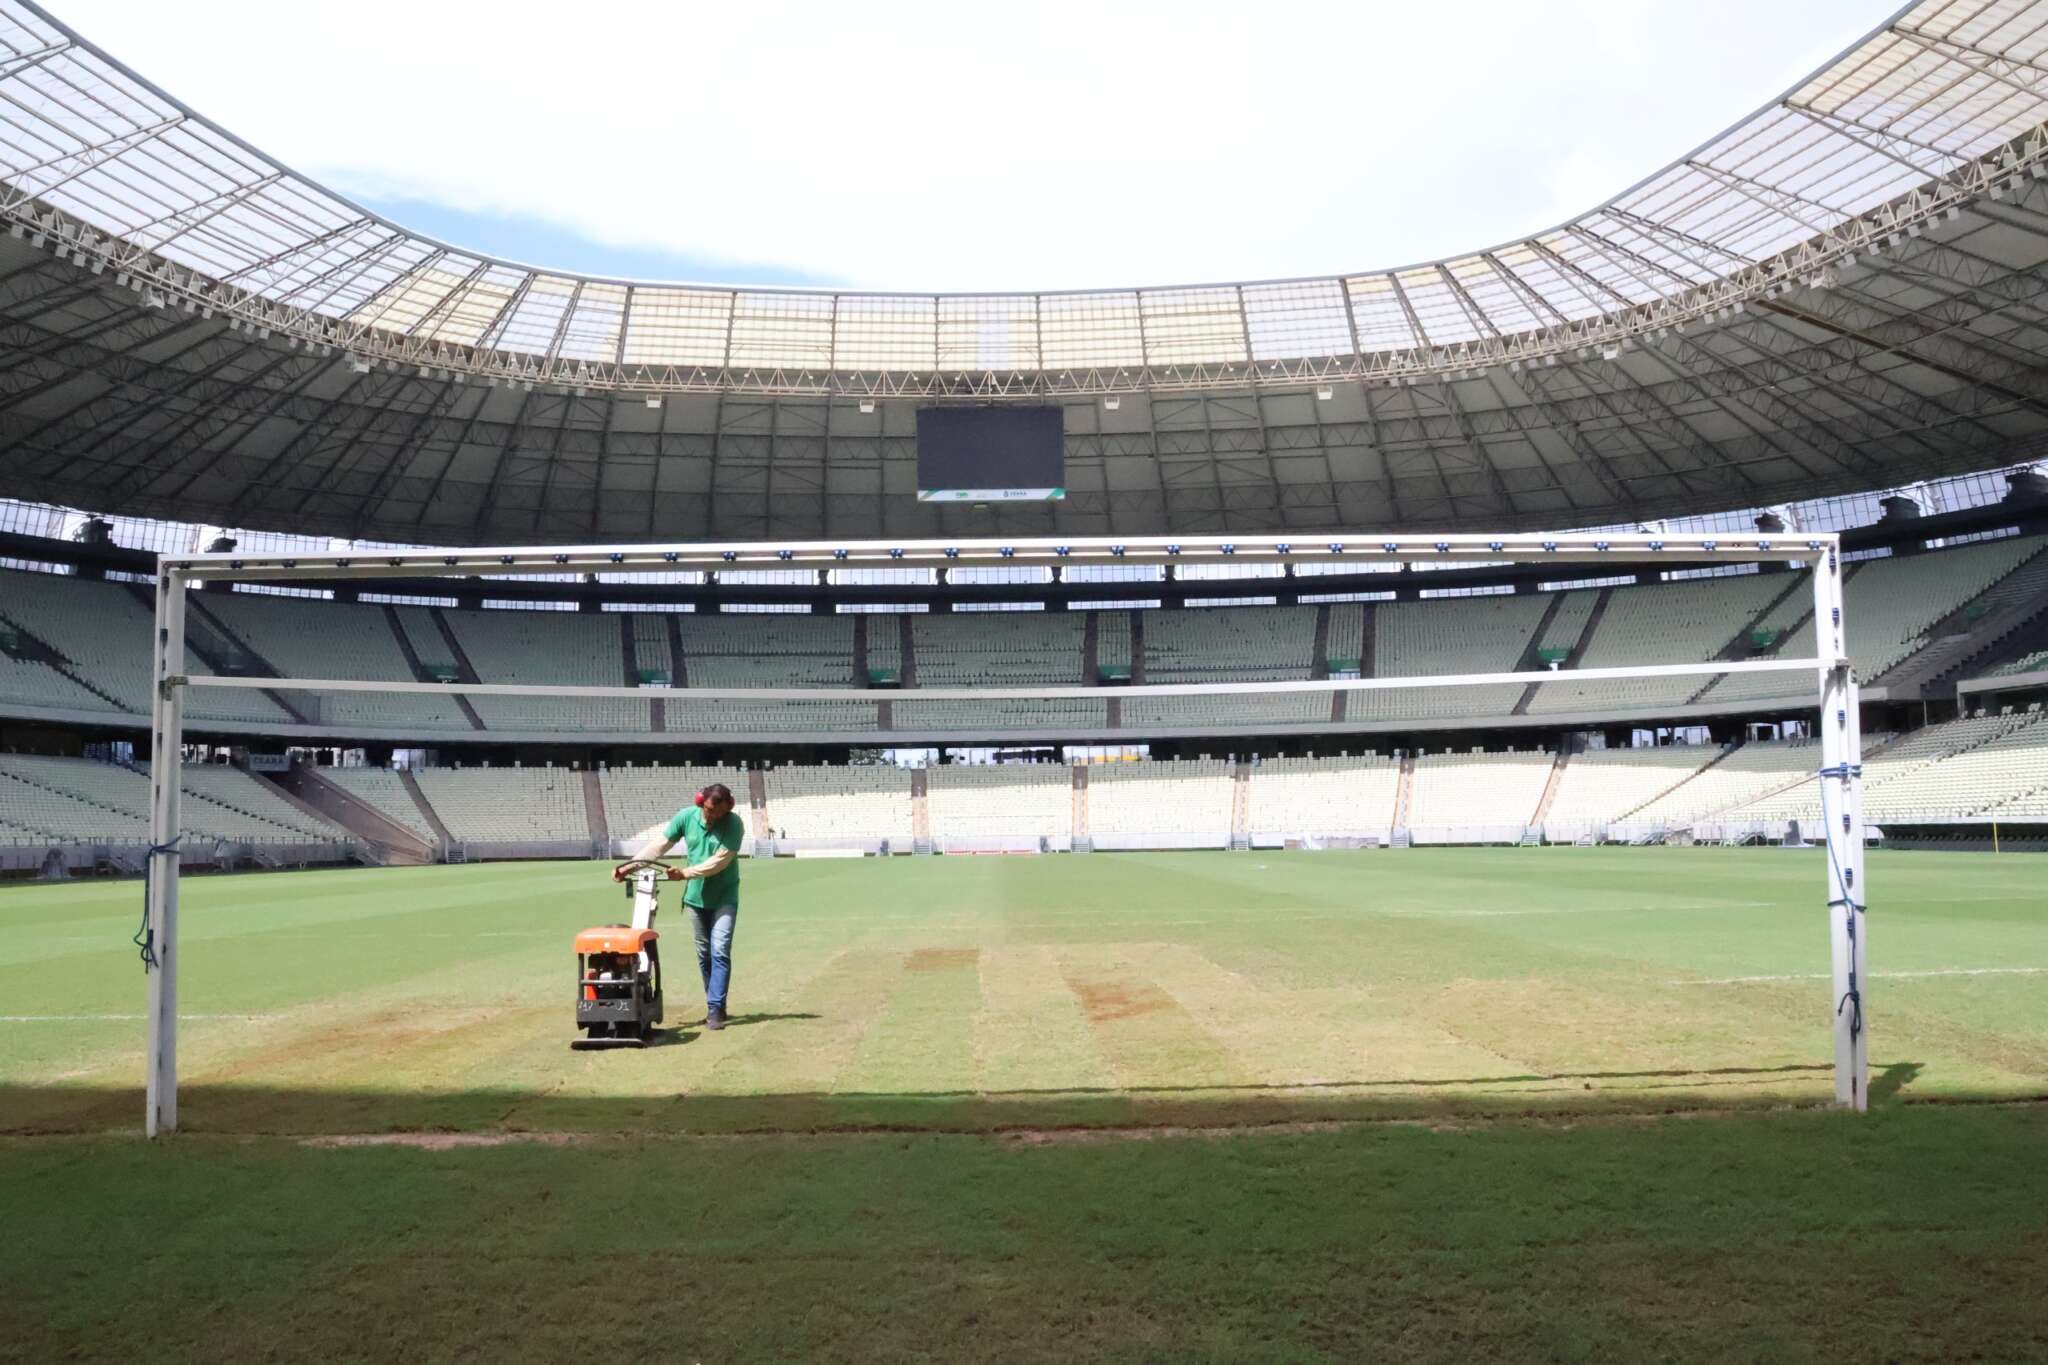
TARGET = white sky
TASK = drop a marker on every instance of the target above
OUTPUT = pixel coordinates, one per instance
(962, 145)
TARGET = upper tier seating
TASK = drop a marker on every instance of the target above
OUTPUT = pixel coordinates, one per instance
(1889, 605)
(1229, 644)
(1602, 786)
(1690, 621)
(1002, 800)
(103, 629)
(1471, 791)
(337, 640)
(999, 649)
(1166, 796)
(857, 802)
(549, 648)
(775, 649)
(1574, 609)
(508, 803)
(1352, 795)
(1447, 636)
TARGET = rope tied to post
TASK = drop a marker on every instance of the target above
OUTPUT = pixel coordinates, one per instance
(145, 936)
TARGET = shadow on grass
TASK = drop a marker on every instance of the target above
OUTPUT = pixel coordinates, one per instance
(230, 1107)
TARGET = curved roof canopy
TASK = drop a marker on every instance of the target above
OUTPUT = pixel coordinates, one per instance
(1842, 291)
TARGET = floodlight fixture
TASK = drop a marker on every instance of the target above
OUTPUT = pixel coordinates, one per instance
(1324, 393)
(654, 402)
(867, 405)
(1113, 402)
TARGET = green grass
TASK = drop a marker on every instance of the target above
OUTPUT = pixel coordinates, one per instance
(922, 1054)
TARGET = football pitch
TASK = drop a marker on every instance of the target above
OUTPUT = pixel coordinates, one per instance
(1555, 1103)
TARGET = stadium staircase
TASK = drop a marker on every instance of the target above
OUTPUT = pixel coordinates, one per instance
(1137, 648)
(1550, 786)
(1240, 807)
(450, 850)
(861, 622)
(1084, 842)
(920, 813)
(909, 648)
(1319, 657)
(2014, 609)
(419, 669)
(466, 670)
(1533, 661)
(1091, 648)
(393, 843)
(677, 654)
(593, 808)
(200, 621)
(32, 648)
(1404, 796)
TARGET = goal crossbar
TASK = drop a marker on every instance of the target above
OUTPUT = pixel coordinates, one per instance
(1840, 729)
(745, 694)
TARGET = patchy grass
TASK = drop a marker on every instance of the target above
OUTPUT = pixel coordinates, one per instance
(1523, 1012)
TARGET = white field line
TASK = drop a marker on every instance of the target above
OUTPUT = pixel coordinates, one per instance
(1889, 976)
(120, 1018)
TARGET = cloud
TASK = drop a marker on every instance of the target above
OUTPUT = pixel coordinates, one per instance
(930, 145)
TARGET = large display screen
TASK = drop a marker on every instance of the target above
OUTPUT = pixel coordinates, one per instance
(991, 454)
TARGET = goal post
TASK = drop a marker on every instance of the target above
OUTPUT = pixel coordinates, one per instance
(1840, 775)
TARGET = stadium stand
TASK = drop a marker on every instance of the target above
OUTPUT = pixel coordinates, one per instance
(1894, 765)
(999, 804)
(1970, 782)
(1690, 621)
(1229, 644)
(1446, 636)
(1746, 774)
(79, 799)
(1603, 786)
(640, 800)
(385, 790)
(103, 630)
(337, 640)
(860, 803)
(998, 649)
(1476, 797)
(508, 804)
(774, 649)
(550, 648)
(1324, 796)
(1165, 803)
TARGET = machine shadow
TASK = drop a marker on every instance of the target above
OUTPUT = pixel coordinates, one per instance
(253, 1108)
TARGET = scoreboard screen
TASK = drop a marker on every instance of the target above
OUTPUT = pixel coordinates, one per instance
(995, 453)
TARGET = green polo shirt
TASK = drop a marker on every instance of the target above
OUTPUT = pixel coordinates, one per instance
(721, 888)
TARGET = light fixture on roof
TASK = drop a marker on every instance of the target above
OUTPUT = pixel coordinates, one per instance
(1324, 393)
(358, 364)
(654, 401)
(1610, 351)
(17, 231)
(1113, 402)
(867, 405)
(152, 299)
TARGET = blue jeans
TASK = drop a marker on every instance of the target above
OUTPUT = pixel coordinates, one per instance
(712, 927)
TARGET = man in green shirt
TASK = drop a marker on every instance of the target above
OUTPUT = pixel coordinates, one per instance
(710, 832)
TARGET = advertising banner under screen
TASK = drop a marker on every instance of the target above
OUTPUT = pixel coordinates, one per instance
(991, 454)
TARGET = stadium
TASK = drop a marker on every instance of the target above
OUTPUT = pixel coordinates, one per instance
(1314, 818)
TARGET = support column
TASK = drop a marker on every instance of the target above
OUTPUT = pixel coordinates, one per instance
(166, 739)
(1841, 792)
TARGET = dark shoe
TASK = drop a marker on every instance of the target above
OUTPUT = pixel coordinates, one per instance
(714, 1018)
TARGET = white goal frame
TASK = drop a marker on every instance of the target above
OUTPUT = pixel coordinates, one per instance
(1840, 730)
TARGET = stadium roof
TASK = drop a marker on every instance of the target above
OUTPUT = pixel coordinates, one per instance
(1842, 291)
